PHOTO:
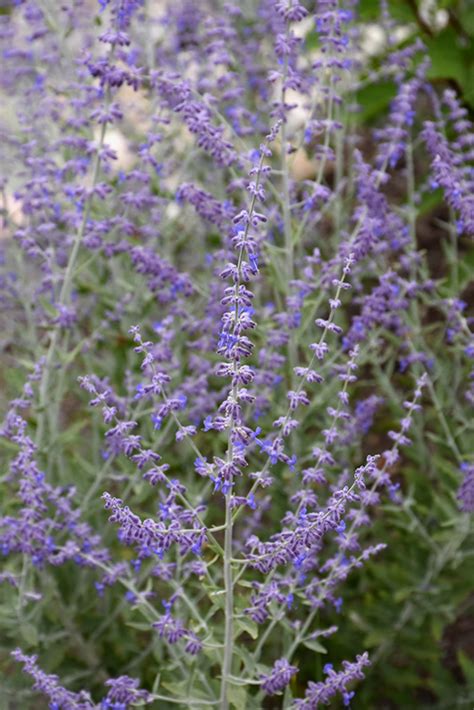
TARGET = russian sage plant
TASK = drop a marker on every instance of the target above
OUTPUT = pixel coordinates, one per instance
(238, 383)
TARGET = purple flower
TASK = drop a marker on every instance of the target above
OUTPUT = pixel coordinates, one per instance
(123, 692)
(279, 677)
(49, 685)
(336, 682)
(466, 489)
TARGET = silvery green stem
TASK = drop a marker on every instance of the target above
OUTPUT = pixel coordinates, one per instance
(229, 603)
(64, 297)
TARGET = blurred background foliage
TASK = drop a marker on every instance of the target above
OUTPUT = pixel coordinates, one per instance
(447, 29)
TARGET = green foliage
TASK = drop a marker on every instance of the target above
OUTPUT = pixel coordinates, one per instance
(374, 100)
(452, 58)
(450, 45)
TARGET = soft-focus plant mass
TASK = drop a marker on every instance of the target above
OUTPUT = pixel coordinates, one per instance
(237, 365)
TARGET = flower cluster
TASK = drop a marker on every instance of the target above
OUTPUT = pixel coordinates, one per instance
(245, 316)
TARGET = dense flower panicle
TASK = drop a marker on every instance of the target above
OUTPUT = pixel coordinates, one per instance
(156, 537)
(290, 545)
(335, 683)
(48, 527)
(394, 138)
(379, 227)
(49, 685)
(383, 307)
(123, 690)
(233, 344)
(449, 174)
(196, 116)
(205, 204)
(336, 570)
(169, 628)
(466, 489)
(279, 677)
